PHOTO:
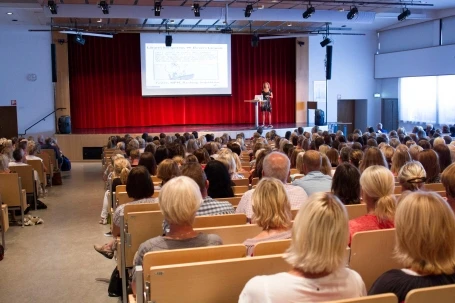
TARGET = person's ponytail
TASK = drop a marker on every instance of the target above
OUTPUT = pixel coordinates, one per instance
(385, 208)
(124, 175)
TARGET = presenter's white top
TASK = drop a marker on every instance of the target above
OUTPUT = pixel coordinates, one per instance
(286, 288)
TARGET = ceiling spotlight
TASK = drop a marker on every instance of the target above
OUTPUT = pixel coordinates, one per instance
(352, 13)
(79, 39)
(308, 13)
(52, 7)
(405, 14)
(104, 7)
(99, 20)
(9, 13)
(248, 10)
(196, 10)
(157, 9)
(326, 41)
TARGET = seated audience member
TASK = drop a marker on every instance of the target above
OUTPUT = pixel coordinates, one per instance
(139, 186)
(414, 151)
(356, 157)
(412, 176)
(344, 154)
(150, 148)
(271, 212)
(202, 156)
(18, 157)
(425, 246)
(161, 154)
(380, 129)
(148, 161)
(134, 157)
(326, 168)
(373, 156)
(179, 200)
(399, 159)
(430, 161)
(334, 157)
(317, 256)
(388, 152)
(226, 157)
(219, 181)
(191, 159)
(275, 165)
(346, 184)
(52, 144)
(314, 180)
(448, 180)
(377, 184)
(167, 170)
(4, 162)
(32, 150)
(444, 156)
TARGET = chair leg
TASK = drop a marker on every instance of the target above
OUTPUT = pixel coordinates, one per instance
(3, 226)
(22, 215)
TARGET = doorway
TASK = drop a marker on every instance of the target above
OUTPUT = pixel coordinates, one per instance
(346, 114)
(8, 121)
(389, 114)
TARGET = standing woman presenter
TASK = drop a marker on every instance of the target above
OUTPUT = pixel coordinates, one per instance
(267, 96)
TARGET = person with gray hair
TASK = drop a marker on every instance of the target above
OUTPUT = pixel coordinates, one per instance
(276, 165)
(314, 180)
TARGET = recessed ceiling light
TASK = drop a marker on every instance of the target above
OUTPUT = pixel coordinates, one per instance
(99, 21)
(9, 13)
(289, 24)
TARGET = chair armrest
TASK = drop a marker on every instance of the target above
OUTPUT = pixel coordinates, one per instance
(139, 281)
(24, 198)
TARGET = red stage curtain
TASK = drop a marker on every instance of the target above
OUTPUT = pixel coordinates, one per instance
(105, 86)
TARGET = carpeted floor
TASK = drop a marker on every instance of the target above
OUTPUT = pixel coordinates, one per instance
(55, 261)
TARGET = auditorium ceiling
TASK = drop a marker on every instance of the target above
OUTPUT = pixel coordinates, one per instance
(269, 17)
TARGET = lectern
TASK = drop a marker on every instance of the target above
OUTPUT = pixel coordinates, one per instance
(256, 110)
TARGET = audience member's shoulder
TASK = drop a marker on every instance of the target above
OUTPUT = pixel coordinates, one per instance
(254, 290)
(213, 239)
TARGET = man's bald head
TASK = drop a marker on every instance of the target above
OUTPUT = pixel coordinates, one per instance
(311, 161)
(276, 165)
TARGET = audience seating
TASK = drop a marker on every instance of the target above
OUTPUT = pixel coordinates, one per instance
(27, 176)
(219, 220)
(234, 201)
(294, 213)
(356, 210)
(48, 163)
(240, 190)
(255, 181)
(384, 298)
(241, 182)
(271, 247)
(372, 254)
(435, 187)
(122, 198)
(4, 221)
(437, 294)
(37, 165)
(12, 193)
(212, 281)
(298, 177)
(52, 157)
(294, 171)
(235, 234)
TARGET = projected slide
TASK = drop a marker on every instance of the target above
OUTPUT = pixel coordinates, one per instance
(195, 68)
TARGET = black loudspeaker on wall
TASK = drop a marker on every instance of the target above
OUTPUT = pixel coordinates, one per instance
(54, 63)
(64, 124)
(168, 40)
(328, 64)
(319, 117)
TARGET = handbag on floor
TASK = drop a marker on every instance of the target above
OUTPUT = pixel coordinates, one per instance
(57, 178)
(115, 284)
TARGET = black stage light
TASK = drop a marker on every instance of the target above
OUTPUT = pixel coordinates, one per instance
(248, 10)
(325, 41)
(157, 9)
(168, 40)
(352, 13)
(52, 7)
(255, 41)
(404, 15)
(104, 7)
(196, 10)
(308, 13)
(79, 39)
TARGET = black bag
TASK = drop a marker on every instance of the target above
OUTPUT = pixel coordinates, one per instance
(57, 178)
(66, 164)
(2, 252)
(115, 284)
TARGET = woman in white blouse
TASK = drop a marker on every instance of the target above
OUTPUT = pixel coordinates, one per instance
(320, 236)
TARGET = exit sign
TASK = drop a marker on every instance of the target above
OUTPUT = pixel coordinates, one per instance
(13, 102)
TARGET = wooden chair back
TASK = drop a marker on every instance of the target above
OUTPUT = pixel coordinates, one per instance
(11, 190)
(234, 201)
(437, 294)
(155, 179)
(38, 166)
(434, 187)
(52, 157)
(139, 227)
(372, 254)
(239, 190)
(136, 208)
(119, 189)
(27, 177)
(235, 234)
(294, 213)
(255, 181)
(356, 210)
(298, 177)
(397, 190)
(47, 162)
(122, 198)
(383, 298)
(294, 171)
(218, 281)
(271, 247)
(241, 182)
(219, 220)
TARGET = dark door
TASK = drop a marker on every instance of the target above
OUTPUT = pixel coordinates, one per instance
(389, 114)
(8, 121)
(346, 114)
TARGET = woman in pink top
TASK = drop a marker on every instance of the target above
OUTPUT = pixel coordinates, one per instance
(271, 211)
(377, 185)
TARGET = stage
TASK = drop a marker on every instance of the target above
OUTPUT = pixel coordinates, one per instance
(72, 145)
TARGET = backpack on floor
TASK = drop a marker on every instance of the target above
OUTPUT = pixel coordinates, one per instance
(66, 164)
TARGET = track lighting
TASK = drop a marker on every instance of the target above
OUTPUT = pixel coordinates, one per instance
(104, 7)
(326, 41)
(196, 10)
(308, 13)
(352, 13)
(404, 15)
(248, 10)
(157, 9)
(52, 7)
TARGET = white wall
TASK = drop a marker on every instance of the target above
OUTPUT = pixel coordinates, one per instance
(352, 72)
(24, 53)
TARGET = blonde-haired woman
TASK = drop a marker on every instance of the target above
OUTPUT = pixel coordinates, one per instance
(317, 255)
(267, 96)
(271, 212)
(377, 185)
(225, 156)
(425, 246)
(412, 176)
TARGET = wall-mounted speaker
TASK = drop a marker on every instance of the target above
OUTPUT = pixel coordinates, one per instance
(328, 64)
(54, 63)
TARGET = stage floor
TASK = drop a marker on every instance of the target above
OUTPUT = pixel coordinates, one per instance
(184, 128)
